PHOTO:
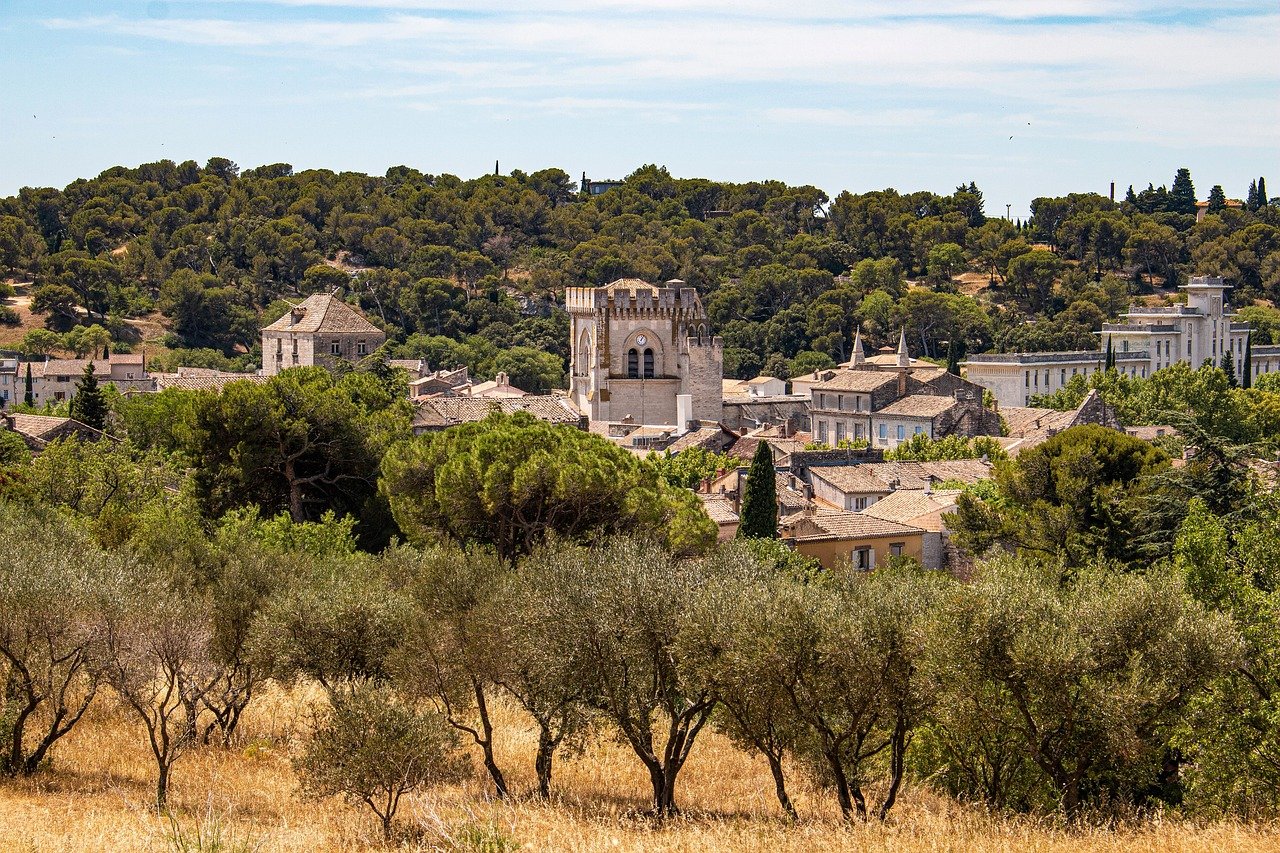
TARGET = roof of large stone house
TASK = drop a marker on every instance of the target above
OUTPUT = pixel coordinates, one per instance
(864, 381)
(918, 406)
(189, 379)
(914, 507)
(39, 430)
(710, 435)
(323, 312)
(75, 366)
(440, 412)
(884, 477)
(824, 525)
(1028, 427)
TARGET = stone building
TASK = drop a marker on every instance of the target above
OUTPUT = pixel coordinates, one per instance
(321, 330)
(643, 353)
(1147, 340)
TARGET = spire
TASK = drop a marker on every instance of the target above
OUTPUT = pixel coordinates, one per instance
(904, 360)
(858, 357)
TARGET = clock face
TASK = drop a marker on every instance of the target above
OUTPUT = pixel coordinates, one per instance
(641, 340)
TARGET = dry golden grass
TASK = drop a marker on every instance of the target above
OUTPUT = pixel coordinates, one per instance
(97, 795)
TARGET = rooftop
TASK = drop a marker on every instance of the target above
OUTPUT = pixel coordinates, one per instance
(918, 406)
(824, 525)
(323, 312)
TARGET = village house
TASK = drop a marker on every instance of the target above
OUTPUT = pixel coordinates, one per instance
(38, 431)
(856, 487)
(320, 331)
(837, 539)
(923, 508)
(55, 380)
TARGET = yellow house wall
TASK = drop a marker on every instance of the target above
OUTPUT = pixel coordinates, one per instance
(832, 553)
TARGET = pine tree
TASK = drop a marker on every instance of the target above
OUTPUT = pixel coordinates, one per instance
(88, 406)
(1228, 365)
(29, 397)
(1217, 199)
(1182, 196)
(1246, 374)
(760, 497)
(1262, 193)
(1251, 200)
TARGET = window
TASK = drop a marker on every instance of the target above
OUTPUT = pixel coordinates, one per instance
(1124, 346)
(279, 345)
(918, 430)
(884, 431)
(648, 364)
(1028, 378)
(895, 549)
(857, 403)
(1064, 376)
(822, 431)
(860, 504)
(362, 348)
(633, 363)
(822, 401)
(335, 348)
(902, 432)
(864, 558)
(840, 431)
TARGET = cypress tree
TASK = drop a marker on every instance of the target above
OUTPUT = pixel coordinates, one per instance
(1246, 375)
(760, 497)
(1262, 193)
(1110, 363)
(1228, 365)
(29, 397)
(953, 357)
(1182, 195)
(88, 406)
(1251, 200)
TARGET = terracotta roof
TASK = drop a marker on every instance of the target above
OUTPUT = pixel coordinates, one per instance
(36, 426)
(709, 436)
(852, 479)
(719, 508)
(439, 412)
(905, 506)
(864, 381)
(629, 284)
(323, 312)
(211, 381)
(1023, 421)
(71, 367)
(826, 525)
(917, 406)
(880, 477)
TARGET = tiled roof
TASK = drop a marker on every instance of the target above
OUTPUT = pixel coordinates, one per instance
(917, 406)
(323, 312)
(71, 367)
(36, 426)
(864, 381)
(438, 412)
(709, 436)
(719, 508)
(212, 381)
(1023, 421)
(630, 284)
(905, 506)
(852, 479)
(826, 525)
(882, 477)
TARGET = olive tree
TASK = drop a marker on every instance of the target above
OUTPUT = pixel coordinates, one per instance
(372, 747)
(57, 593)
(623, 604)
(1092, 672)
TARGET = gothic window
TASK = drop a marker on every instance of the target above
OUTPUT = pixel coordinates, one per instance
(633, 363)
(648, 364)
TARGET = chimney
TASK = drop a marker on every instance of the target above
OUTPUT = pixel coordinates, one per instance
(684, 412)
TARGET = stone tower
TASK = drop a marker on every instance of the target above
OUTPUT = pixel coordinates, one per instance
(637, 348)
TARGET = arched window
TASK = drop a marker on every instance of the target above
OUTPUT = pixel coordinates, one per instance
(633, 363)
(648, 364)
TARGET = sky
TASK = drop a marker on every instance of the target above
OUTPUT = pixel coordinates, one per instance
(1024, 97)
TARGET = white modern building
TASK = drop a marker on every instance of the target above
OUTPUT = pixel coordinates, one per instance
(1147, 340)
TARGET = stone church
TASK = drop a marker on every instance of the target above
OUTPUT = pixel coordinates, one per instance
(642, 352)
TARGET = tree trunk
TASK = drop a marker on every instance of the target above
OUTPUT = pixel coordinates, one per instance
(842, 786)
(295, 492)
(486, 743)
(663, 790)
(162, 785)
(897, 765)
(780, 785)
(542, 763)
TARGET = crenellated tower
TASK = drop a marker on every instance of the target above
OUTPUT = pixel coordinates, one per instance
(637, 347)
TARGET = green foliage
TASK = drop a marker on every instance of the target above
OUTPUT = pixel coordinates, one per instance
(921, 448)
(690, 466)
(510, 481)
(373, 748)
(1071, 497)
(760, 497)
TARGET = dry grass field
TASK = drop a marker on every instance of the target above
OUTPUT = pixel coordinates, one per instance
(96, 796)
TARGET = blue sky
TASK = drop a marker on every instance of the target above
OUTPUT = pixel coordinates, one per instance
(1026, 97)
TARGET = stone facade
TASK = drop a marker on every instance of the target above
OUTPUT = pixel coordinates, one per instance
(1148, 339)
(637, 347)
(320, 331)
